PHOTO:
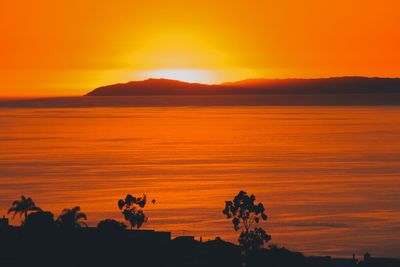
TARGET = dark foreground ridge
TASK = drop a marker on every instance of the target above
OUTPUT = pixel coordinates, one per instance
(67, 241)
(111, 246)
(339, 85)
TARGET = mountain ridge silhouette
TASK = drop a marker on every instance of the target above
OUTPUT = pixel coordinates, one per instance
(334, 85)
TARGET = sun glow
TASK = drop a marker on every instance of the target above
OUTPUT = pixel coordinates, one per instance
(61, 48)
(185, 75)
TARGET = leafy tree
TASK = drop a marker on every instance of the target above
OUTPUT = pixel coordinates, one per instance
(41, 220)
(24, 206)
(131, 208)
(72, 218)
(246, 215)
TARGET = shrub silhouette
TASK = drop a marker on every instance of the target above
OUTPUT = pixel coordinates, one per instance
(24, 206)
(41, 220)
(72, 218)
(110, 226)
(245, 216)
(131, 208)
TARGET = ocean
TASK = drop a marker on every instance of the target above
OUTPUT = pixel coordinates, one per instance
(328, 176)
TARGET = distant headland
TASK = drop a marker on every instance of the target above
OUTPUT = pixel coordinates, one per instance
(322, 86)
(339, 91)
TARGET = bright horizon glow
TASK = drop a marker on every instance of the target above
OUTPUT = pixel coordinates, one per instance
(184, 75)
(71, 47)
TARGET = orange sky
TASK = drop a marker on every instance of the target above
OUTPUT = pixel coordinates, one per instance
(69, 47)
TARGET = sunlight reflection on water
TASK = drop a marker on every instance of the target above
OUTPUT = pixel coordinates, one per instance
(329, 176)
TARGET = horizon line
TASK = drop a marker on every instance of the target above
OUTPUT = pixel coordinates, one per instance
(13, 97)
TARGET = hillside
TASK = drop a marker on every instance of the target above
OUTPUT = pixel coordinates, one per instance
(340, 85)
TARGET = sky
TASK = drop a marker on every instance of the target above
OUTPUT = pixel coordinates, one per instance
(56, 48)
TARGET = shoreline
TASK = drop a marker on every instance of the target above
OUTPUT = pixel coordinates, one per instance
(392, 99)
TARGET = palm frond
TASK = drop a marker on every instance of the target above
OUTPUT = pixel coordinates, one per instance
(81, 215)
(35, 209)
(12, 209)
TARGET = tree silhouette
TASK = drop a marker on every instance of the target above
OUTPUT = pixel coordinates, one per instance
(131, 208)
(41, 220)
(72, 218)
(24, 206)
(245, 216)
(111, 226)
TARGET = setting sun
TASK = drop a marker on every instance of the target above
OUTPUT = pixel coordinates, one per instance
(194, 133)
(185, 75)
(68, 48)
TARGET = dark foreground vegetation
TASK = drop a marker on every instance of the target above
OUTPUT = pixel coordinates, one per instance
(43, 240)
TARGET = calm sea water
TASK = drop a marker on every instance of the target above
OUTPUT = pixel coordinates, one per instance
(329, 176)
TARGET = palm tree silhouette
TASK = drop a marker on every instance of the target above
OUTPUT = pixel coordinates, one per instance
(72, 218)
(24, 206)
